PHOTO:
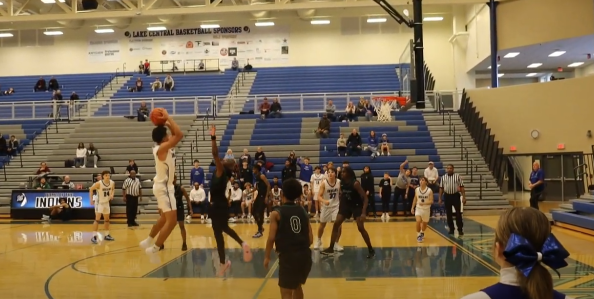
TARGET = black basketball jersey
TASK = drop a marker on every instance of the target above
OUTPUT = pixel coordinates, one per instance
(179, 196)
(293, 228)
(349, 195)
(218, 190)
(261, 185)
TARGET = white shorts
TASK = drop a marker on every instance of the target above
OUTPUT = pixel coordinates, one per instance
(102, 208)
(328, 214)
(248, 202)
(165, 198)
(424, 213)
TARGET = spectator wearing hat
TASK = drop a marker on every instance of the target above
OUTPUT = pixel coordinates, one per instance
(432, 177)
(384, 145)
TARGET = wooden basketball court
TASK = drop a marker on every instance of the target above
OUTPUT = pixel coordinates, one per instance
(58, 261)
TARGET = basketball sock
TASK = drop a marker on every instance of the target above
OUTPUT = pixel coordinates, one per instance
(149, 238)
(156, 248)
(107, 233)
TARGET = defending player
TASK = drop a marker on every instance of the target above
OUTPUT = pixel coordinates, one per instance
(290, 232)
(105, 191)
(328, 198)
(423, 201)
(263, 188)
(163, 188)
(353, 203)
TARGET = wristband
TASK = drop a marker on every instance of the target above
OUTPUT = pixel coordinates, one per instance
(213, 137)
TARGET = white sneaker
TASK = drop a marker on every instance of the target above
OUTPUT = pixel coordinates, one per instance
(95, 166)
(231, 220)
(318, 244)
(152, 253)
(208, 221)
(337, 247)
(146, 243)
(202, 217)
(83, 166)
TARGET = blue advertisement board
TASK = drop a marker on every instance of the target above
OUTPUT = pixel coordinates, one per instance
(44, 199)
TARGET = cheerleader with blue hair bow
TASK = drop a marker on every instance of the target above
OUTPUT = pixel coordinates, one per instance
(524, 248)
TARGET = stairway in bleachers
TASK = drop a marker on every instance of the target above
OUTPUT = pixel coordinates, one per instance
(409, 134)
(578, 215)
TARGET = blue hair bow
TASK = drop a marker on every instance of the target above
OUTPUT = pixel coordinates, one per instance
(520, 253)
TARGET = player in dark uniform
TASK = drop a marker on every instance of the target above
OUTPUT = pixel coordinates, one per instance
(263, 187)
(353, 203)
(290, 232)
(219, 209)
(179, 195)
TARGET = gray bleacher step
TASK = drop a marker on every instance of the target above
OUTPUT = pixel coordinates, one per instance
(566, 206)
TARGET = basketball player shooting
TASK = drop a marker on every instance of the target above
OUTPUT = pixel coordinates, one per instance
(353, 203)
(163, 183)
(220, 203)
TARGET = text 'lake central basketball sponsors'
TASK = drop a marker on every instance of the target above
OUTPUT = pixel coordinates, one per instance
(44, 200)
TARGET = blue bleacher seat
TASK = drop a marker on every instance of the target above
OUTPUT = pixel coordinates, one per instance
(31, 128)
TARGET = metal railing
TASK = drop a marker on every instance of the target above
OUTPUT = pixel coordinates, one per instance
(4, 170)
(205, 119)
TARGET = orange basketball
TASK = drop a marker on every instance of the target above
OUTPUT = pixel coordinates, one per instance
(156, 117)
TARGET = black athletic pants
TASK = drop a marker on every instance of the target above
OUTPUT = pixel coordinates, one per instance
(386, 203)
(220, 225)
(258, 211)
(453, 200)
(534, 195)
(371, 201)
(131, 209)
(399, 193)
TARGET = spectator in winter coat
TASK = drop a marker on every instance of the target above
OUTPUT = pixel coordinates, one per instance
(354, 144)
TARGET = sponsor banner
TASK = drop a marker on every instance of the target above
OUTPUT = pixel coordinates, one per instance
(44, 199)
(104, 50)
(141, 47)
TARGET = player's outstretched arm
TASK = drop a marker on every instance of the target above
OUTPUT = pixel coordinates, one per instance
(215, 152)
(274, 218)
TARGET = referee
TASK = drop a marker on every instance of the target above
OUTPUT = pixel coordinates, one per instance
(451, 190)
(132, 192)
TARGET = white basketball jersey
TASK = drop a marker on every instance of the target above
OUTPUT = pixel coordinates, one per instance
(104, 191)
(331, 192)
(249, 195)
(276, 195)
(165, 169)
(317, 180)
(423, 196)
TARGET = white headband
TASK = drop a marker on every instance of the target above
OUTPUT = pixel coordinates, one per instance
(539, 256)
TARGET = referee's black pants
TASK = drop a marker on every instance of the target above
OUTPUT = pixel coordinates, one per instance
(534, 196)
(453, 200)
(131, 209)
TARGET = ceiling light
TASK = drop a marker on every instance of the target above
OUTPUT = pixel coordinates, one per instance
(264, 24)
(500, 75)
(531, 75)
(1, 3)
(511, 54)
(6, 34)
(405, 11)
(557, 53)
(575, 64)
(210, 26)
(53, 32)
(156, 28)
(376, 20)
(320, 22)
(432, 19)
(534, 65)
(52, 1)
(104, 30)
(497, 66)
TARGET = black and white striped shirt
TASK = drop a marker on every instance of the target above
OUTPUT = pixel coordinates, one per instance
(451, 183)
(132, 186)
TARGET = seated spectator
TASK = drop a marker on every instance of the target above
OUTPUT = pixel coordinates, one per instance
(341, 146)
(53, 84)
(248, 67)
(43, 169)
(3, 145)
(235, 197)
(234, 64)
(131, 167)
(372, 144)
(40, 85)
(156, 85)
(141, 67)
(61, 211)
(369, 111)
(276, 109)
(385, 147)
(81, 154)
(169, 83)
(7, 92)
(246, 157)
(323, 127)
(147, 67)
(12, 147)
(264, 109)
(229, 155)
(198, 198)
(201, 65)
(260, 157)
(331, 110)
(350, 112)
(197, 173)
(137, 86)
(42, 184)
(361, 107)
(67, 184)
(354, 144)
(142, 112)
(92, 152)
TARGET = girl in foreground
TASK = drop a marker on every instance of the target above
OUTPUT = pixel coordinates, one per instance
(523, 243)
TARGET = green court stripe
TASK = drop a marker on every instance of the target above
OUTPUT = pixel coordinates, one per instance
(268, 275)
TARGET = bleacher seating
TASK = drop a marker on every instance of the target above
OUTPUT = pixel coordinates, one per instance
(582, 215)
(186, 86)
(83, 84)
(24, 131)
(322, 80)
(409, 136)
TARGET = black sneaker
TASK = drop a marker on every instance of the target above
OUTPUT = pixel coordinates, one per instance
(371, 254)
(109, 238)
(94, 240)
(162, 247)
(257, 235)
(451, 232)
(184, 247)
(327, 251)
(460, 233)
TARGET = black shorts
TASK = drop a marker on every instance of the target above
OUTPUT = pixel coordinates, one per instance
(293, 268)
(350, 210)
(259, 205)
(180, 214)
